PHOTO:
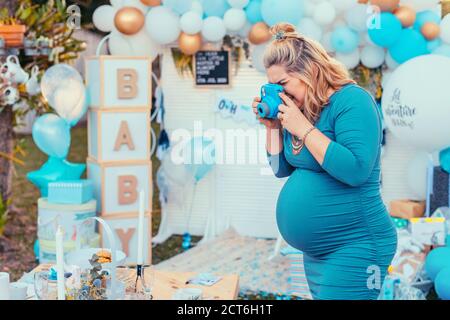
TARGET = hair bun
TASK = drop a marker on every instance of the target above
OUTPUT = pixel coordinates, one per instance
(286, 29)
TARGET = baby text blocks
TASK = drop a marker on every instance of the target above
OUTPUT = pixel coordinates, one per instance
(119, 142)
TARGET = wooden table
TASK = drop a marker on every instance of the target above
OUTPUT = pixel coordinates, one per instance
(165, 283)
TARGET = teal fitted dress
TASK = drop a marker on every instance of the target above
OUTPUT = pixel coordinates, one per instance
(334, 212)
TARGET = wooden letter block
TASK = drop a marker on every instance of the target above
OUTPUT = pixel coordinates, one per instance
(119, 135)
(117, 186)
(119, 82)
(125, 228)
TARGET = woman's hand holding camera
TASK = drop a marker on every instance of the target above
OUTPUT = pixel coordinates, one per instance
(291, 118)
(268, 123)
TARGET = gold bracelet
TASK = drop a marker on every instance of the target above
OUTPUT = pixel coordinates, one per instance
(308, 132)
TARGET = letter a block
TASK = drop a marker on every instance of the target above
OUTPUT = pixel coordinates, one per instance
(117, 186)
(119, 82)
(119, 135)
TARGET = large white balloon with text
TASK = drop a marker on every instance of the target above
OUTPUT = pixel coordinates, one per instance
(416, 102)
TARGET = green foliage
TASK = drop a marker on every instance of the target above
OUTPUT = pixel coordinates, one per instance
(45, 21)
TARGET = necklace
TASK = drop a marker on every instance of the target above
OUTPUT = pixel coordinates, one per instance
(297, 144)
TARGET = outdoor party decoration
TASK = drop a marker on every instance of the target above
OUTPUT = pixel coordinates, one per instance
(442, 284)
(199, 157)
(212, 68)
(190, 44)
(415, 104)
(52, 135)
(55, 169)
(79, 231)
(437, 260)
(227, 108)
(406, 15)
(129, 20)
(62, 86)
(119, 147)
(401, 29)
(429, 231)
(259, 33)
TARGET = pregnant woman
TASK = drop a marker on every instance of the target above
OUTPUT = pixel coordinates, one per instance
(327, 140)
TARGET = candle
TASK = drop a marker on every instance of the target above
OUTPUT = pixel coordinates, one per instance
(60, 263)
(140, 253)
(4, 286)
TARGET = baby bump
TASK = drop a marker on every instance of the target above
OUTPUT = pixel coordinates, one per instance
(316, 213)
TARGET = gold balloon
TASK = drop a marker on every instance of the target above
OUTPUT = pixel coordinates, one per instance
(386, 5)
(406, 15)
(430, 30)
(129, 20)
(259, 33)
(151, 3)
(190, 43)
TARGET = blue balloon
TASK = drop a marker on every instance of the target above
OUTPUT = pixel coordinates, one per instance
(437, 260)
(275, 11)
(253, 11)
(215, 8)
(52, 135)
(344, 39)
(444, 159)
(388, 31)
(443, 50)
(55, 169)
(410, 45)
(178, 6)
(36, 249)
(434, 44)
(426, 16)
(199, 157)
(442, 284)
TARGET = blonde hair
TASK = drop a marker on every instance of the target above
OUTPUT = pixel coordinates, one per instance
(307, 60)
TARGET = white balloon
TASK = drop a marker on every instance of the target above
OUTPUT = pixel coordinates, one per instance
(324, 13)
(310, 28)
(420, 5)
(116, 3)
(234, 19)
(213, 29)
(445, 29)
(163, 25)
(350, 60)
(326, 42)
(386, 76)
(357, 17)
(197, 7)
(103, 18)
(342, 5)
(245, 30)
(136, 4)
(390, 62)
(239, 4)
(68, 99)
(258, 57)
(308, 7)
(372, 56)
(143, 45)
(191, 22)
(417, 176)
(119, 45)
(338, 23)
(416, 103)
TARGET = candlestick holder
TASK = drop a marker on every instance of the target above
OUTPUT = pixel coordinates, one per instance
(140, 286)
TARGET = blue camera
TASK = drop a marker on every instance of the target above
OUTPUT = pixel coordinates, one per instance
(270, 100)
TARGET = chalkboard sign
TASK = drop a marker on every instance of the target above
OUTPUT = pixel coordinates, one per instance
(212, 68)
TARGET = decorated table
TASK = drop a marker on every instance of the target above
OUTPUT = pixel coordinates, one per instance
(166, 283)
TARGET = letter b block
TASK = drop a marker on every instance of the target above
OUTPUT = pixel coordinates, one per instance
(119, 82)
(117, 186)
